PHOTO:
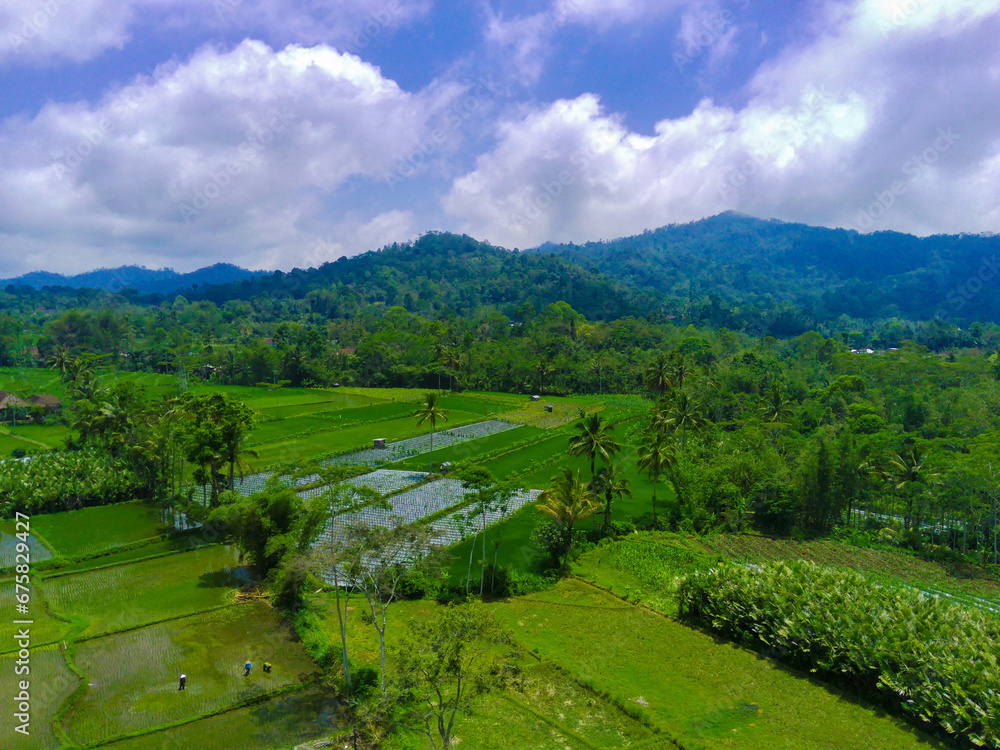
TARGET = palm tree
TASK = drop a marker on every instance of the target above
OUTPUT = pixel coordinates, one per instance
(431, 411)
(60, 359)
(594, 438)
(568, 501)
(775, 407)
(679, 371)
(682, 414)
(907, 472)
(659, 374)
(655, 457)
(612, 482)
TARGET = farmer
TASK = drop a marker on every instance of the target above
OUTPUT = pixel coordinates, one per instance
(184, 679)
(246, 668)
(267, 667)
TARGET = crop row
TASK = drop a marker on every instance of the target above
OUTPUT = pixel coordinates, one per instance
(934, 659)
(457, 526)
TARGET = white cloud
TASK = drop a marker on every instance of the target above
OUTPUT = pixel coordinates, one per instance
(45, 32)
(864, 126)
(41, 31)
(233, 155)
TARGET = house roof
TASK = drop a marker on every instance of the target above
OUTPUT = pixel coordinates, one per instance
(45, 399)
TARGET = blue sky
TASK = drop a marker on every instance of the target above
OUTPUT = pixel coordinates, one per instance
(282, 133)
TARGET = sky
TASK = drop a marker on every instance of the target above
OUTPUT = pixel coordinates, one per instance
(288, 133)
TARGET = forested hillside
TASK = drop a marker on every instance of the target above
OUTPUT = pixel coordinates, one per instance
(734, 270)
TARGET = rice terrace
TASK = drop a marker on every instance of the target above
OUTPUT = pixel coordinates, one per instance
(297, 608)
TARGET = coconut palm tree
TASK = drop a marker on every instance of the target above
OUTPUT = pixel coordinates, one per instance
(431, 411)
(907, 471)
(682, 414)
(611, 480)
(659, 374)
(679, 371)
(775, 407)
(567, 502)
(594, 438)
(656, 456)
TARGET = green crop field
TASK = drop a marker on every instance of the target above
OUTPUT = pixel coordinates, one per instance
(300, 449)
(125, 596)
(703, 692)
(51, 682)
(89, 531)
(289, 719)
(472, 450)
(962, 581)
(133, 676)
(44, 629)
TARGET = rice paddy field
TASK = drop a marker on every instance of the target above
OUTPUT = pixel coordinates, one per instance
(133, 682)
(126, 596)
(52, 684)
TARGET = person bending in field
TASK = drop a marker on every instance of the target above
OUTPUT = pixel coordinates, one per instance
(184, 682)
(267, 667)
(247, 667)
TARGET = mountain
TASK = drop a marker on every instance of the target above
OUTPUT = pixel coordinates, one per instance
(729, 264)
(442, 274)
(146, 281)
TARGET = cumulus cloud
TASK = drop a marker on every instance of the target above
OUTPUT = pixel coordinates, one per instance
(47, 32)
(886, 120)
(233, 155)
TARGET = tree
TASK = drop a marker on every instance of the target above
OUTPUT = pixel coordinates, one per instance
(431, 411)
(377, 558)
(567, 502)
(271, 525)
(907, 472)
(655, 456)
(478, 480)
(342, 499)
(214, 432)
(445, 662)
(593, 438)
(775, 407)
(682, 414)
(659, 375)
(611, 480)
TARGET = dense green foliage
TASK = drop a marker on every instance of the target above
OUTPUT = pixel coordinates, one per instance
(772, 277)
(61, 481)
(936, 659)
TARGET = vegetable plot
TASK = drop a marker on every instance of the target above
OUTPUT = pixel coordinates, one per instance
(936, 659)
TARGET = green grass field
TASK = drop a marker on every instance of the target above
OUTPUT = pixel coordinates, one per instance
(126, 596)
(133, 675)
(702, 691)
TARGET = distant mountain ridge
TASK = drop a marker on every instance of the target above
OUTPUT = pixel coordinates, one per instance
(142, 280)
(743, 262)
